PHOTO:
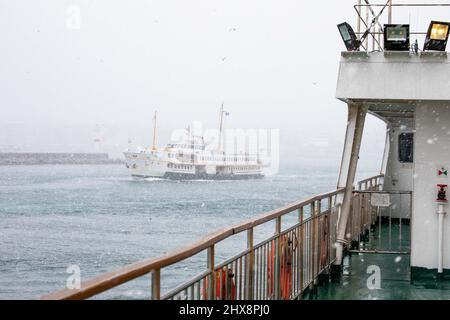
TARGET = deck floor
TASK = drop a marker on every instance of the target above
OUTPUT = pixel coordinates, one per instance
(394, 271)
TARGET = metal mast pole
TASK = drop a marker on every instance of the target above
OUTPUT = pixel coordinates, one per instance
(221, 127)
(366, 41)
(154, 133)
(358, 22)
(390, 12)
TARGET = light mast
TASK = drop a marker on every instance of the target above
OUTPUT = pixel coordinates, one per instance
(221, 127)
(154, 133)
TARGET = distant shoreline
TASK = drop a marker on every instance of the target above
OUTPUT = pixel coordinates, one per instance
(23, 158)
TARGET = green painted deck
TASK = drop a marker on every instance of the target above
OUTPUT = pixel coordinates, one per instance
(395, 273)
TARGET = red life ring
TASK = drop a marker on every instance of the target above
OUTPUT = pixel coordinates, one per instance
(286, 256)
(224, 280)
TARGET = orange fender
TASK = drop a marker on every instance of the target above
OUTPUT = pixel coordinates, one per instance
(224, 278)
(286, 255)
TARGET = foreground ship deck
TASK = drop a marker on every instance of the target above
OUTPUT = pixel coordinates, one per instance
(395, 276)
(395, 281)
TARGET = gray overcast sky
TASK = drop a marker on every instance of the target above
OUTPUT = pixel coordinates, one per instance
(182, 57)
(273, 63)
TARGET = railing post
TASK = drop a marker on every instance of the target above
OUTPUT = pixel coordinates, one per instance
(212, 279)
(318, 230)
(156, 284)
(250, 266)
(277, 288)
(300, 249)
(330, 228)
(313, 243)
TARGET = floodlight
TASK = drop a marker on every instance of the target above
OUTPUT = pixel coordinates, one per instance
(396, 37)
(348, 35)
(437, 36)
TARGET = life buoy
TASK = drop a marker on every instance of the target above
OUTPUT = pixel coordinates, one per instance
(225, 285)
(286, 256)
(286, 269)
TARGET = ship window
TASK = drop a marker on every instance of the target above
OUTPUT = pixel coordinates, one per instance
(405, 147)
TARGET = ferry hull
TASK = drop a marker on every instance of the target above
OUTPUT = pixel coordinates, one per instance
(187, 176)
(143, 165)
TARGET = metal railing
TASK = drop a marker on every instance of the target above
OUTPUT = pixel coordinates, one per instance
(379, 227)
(280, 267)
(370, 14)
(361, 215)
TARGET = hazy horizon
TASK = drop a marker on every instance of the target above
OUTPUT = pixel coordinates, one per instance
(75, 71)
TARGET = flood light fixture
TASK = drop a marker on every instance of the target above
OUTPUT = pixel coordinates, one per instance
(396, 37)
(437, 36)
(352, 43)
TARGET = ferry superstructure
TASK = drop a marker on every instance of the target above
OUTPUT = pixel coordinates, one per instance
(384, 237)
(192, 159)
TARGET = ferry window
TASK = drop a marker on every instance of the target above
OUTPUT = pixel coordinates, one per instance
(405, 147)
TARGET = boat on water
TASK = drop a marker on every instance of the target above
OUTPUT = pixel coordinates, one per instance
(192, 158)
(384, 237)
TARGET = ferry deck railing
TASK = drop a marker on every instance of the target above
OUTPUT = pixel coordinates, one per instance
(370, 16)
(280, 267)
(379, 227)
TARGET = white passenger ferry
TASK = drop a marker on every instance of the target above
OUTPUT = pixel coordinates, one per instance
(191, 159)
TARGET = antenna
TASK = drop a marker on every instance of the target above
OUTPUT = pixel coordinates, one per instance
(154, 133)
(221, 127)
(375, 20)
(390, 12)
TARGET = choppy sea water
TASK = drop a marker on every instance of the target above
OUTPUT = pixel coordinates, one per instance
(99, 218)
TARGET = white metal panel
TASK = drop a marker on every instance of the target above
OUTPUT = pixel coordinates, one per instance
(431, 149)
(393, 76)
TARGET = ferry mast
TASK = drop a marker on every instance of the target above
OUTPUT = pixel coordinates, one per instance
(154, 133)
(221, 127)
